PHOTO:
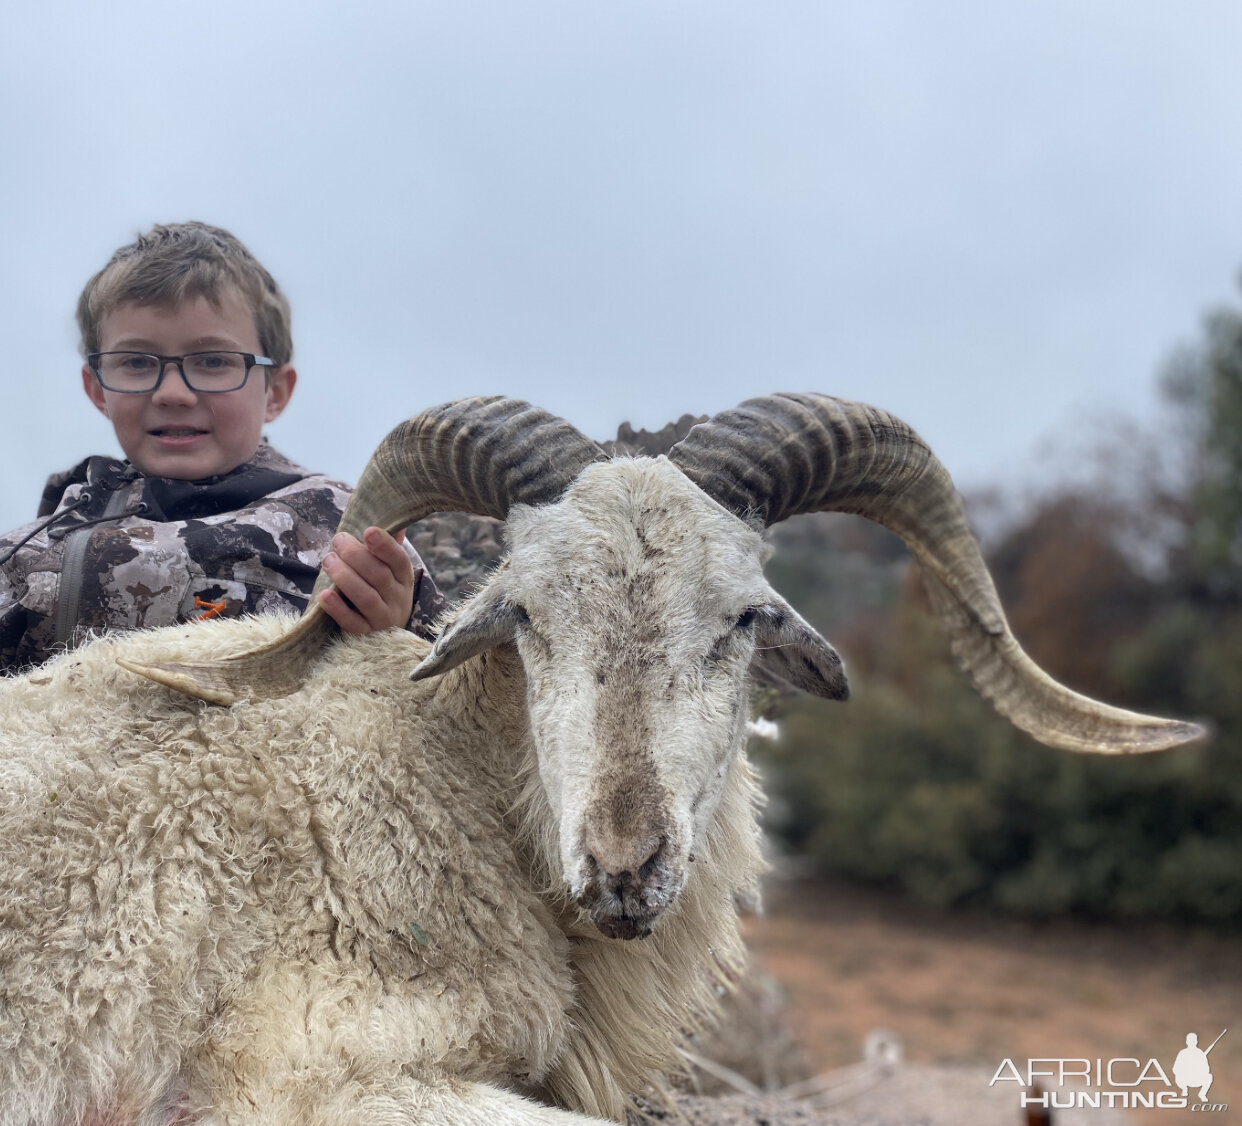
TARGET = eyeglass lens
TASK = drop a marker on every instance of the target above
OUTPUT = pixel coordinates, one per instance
(204, 371)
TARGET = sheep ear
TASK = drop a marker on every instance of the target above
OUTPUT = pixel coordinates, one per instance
(787, 647)
(482, 625)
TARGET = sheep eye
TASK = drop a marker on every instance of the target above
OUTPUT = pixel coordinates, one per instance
(722, 644)
(523, 629)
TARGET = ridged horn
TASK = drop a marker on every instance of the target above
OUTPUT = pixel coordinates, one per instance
(479, 456)
(776, 457)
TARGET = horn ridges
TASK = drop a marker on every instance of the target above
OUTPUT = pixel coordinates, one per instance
(782, 455)
(479, 455)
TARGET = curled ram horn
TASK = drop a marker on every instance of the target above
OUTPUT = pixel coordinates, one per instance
(778, 456)
(479, 455)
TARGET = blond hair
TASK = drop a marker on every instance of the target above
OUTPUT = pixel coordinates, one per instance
(171, 263)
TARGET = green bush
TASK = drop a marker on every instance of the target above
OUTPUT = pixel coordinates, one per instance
(916, 783)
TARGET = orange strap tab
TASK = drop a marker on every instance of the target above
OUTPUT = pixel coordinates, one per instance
(209, 609)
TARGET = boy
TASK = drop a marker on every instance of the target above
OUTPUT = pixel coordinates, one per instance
(188, 353)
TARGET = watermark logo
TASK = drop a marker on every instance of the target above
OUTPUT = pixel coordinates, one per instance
(1124, 1082)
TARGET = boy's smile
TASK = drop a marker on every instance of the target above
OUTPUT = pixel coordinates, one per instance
(174, 431)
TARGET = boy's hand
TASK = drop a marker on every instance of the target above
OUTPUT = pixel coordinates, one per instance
(375, 575)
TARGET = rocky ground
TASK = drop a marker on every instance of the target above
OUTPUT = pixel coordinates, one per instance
(956, 994)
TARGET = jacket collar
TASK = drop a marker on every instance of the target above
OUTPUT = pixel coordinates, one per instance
(167, 498)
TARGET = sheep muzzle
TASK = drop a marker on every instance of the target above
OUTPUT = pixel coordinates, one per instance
(625, 895)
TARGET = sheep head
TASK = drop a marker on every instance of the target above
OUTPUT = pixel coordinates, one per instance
(634, 593)
(637, 604)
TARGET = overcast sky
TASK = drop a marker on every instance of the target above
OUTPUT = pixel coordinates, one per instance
(994, 219)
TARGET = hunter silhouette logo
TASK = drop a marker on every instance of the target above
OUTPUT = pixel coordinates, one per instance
(1191, 1068)
(1123, 1082)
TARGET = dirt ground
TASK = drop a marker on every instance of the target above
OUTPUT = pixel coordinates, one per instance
(973, 989)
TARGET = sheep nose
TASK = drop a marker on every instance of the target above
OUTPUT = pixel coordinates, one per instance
(623, 862)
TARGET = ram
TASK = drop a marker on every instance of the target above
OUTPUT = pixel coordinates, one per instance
(497, 891)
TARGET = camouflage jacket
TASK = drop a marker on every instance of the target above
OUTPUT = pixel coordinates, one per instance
(116, 550)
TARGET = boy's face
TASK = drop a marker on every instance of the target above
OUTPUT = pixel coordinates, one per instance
(173, 431)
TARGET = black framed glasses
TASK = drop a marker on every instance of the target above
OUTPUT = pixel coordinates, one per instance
(140, 373)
